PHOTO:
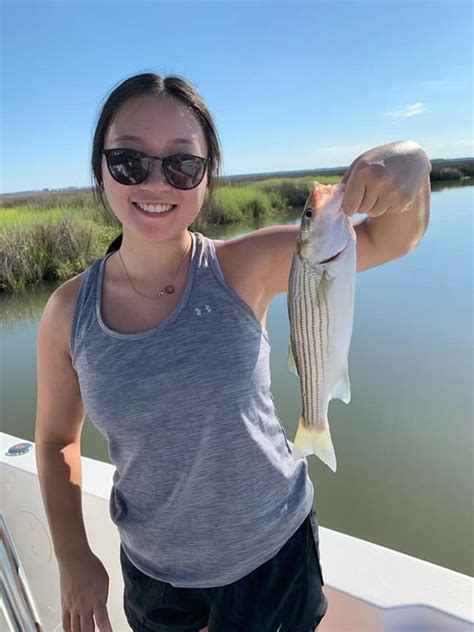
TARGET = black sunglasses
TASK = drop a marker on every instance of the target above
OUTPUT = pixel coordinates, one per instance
(129, 166)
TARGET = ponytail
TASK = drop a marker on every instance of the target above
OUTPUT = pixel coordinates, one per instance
(115, 245)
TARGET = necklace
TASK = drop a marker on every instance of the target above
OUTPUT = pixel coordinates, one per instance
(169, 289)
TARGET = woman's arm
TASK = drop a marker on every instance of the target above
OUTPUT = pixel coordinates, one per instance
(59, 470)
(59, 420)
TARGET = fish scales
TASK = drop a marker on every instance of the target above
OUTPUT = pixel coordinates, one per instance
(321, 308)
(311, 309)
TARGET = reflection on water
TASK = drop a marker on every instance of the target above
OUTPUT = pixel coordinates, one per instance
(24, 308)
(404, 443)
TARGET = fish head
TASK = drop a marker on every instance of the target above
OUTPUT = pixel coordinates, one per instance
(323, 229)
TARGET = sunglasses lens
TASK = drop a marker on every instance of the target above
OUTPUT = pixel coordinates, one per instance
(127, 167)
(184, 171)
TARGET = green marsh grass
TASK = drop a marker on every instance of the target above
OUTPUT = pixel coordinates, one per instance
(54, 235)
(48, 236)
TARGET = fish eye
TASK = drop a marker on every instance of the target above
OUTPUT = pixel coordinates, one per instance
(309, 213)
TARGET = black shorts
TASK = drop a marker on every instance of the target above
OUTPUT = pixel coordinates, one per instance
(282, 595)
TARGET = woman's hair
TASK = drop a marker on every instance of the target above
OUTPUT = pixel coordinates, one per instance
(154, 84)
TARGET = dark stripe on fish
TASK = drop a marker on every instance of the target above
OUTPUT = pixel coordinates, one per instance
(310, 312)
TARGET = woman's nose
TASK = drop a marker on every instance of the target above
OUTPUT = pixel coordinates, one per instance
(156, 176)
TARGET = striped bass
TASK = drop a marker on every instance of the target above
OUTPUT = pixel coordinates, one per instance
(321, 314)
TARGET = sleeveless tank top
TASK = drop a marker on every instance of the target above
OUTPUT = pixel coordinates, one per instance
(205, 487)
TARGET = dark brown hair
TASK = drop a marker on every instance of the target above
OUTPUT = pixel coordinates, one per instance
(154, 84)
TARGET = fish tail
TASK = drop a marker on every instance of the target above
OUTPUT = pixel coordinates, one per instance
(313, 440)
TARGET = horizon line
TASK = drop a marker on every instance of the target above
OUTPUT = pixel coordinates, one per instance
(233, 176)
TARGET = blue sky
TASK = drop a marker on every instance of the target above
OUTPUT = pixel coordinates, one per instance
(291, 85)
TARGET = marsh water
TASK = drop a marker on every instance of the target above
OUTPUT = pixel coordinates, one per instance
(404, 444)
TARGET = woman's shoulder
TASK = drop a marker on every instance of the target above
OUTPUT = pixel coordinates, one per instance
(228, 254)
(60, 306)
(238, 257)
(70, 288)
(67, 292)
(265, 254)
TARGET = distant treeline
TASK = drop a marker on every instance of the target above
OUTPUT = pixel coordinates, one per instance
(452, 169)
(449, 169)
(441, 169)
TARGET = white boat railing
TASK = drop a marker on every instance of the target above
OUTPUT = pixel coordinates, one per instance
(18, 611)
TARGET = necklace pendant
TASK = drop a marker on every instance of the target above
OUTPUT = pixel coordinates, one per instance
(169, 289)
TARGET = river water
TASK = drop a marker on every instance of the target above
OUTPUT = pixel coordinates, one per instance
(404, 444)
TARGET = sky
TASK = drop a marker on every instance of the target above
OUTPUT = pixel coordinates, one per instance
(290, 85)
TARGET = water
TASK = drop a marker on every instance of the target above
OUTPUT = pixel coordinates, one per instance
(404, 443)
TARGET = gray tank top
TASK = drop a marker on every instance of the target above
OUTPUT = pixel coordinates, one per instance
(205, 488)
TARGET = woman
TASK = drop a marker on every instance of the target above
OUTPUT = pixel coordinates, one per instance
(163, 342)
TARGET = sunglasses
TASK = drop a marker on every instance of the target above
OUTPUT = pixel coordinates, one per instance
(129, 166)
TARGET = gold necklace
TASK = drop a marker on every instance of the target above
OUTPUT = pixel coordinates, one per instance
(169, 289)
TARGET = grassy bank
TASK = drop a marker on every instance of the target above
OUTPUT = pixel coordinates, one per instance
(53, 236)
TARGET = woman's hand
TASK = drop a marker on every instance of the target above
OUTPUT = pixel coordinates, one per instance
(84, 591)
(385, 179)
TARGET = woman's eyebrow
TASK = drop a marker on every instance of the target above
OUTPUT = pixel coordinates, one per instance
(182, 141)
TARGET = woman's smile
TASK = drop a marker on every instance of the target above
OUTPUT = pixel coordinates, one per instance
(154, 213)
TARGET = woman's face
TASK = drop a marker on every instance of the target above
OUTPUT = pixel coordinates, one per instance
(156, 122)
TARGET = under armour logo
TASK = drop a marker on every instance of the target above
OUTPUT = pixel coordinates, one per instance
(198, 310)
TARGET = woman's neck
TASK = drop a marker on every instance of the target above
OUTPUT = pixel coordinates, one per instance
(150, 264)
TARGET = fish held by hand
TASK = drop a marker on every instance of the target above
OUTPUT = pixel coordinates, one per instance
(321, 313)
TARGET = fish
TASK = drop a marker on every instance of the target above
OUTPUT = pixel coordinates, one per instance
(321, 294)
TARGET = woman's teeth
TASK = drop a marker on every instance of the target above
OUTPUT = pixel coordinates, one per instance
(155, 208)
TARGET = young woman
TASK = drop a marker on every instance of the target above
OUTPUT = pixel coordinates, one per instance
(163, 342)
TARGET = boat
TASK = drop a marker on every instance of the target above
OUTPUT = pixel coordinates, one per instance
(370, 588)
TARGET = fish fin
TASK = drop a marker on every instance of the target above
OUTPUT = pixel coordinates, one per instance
(342, 390)
(321, 192)
(312, 440)
(330, 273)
(291, 360)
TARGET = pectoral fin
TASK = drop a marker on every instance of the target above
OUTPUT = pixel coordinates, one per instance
(291, 360)
(342, 390)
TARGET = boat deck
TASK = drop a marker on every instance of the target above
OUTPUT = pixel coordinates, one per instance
(370, 588)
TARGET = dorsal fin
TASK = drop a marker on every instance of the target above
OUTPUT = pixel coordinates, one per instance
(320, 193)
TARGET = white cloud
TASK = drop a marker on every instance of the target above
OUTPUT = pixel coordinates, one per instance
(436, 83)
(447, 147)
(407, 110)
(446, 83)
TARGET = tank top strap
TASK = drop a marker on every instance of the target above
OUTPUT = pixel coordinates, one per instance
(209, 256)
(85, 294)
